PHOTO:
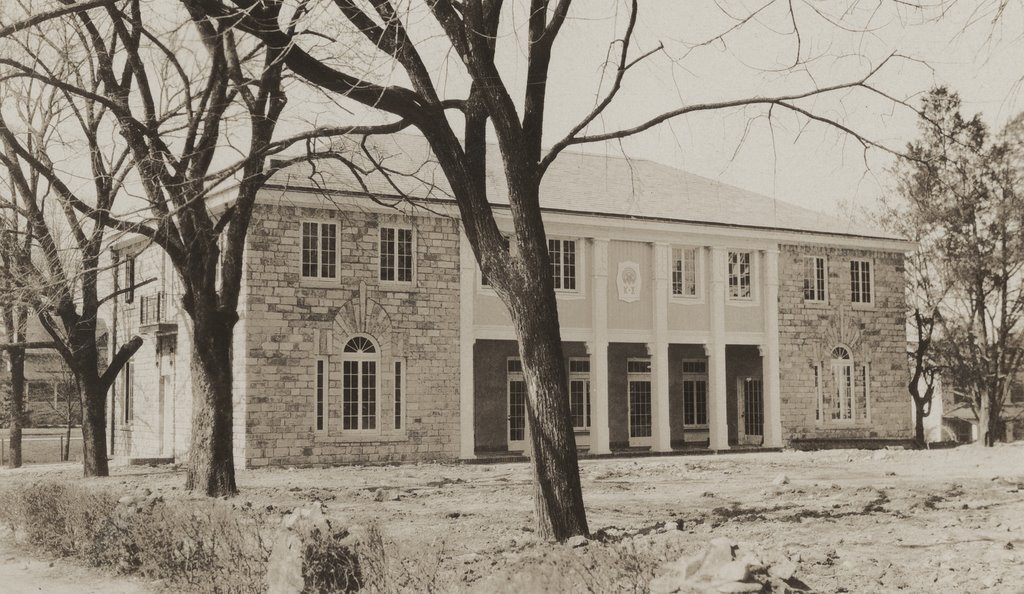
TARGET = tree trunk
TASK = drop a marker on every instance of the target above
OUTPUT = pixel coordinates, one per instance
(983, 421)
(991, 422)
(211, 466)
(558, 496)
(17, 404)
(66, 454)
(94, 421)
(919, 437)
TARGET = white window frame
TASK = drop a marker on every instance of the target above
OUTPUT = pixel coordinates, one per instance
(698, 272)
(360, 359)
(637, 376)
(578, 277)
(584, 378)
(319, 271)
(689, 376)
(396, 269)
(321, 390)
(517, 376)
(752, 298)
(871, 283)
(847, 407)
(811, 265)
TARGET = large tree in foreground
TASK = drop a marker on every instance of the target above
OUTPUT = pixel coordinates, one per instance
(961, 189)
(379, 58)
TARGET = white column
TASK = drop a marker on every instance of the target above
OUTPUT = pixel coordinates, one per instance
(598, 347)
(467, 294)
(718, 426)
(662, 430)
(770, 362)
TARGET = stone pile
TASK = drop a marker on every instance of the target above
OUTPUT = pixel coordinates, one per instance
(310, 555)
(727, 567)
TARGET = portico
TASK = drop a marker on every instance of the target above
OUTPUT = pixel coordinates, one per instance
(652, 366)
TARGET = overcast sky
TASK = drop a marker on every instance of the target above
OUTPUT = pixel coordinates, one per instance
(807, 164)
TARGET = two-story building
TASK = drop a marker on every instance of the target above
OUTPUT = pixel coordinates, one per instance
(693, 315)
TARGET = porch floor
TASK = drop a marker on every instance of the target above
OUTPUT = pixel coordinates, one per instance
(643, 452)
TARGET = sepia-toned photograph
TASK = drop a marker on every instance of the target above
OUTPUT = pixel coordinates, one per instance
(501, 297)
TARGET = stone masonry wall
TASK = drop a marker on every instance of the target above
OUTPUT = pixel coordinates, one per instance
(875, 334)
(291, 322)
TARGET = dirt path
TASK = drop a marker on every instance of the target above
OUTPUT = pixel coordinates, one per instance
(20, 574)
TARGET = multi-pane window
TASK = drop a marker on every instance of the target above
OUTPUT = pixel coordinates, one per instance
(860, 281)
(319, 250)
(753, 406)
(396, 261)
(516, 401)
(320, 395)
(398, 394)
(579, 393)
(128, 373)
(695, 392)
(842, 385)
(739, 276)
(684, 272)
(359, 386)
(563, 263)
(638, 374)
(814, 279)
(844, 394)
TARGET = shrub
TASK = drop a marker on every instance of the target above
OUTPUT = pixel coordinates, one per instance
(329, 564)
(199, 545)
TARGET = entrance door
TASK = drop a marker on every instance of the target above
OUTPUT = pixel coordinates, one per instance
(751, 407)
(517, 430)
(166, 397)
(638, 376)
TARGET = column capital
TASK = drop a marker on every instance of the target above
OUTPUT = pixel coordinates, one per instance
(600, 256)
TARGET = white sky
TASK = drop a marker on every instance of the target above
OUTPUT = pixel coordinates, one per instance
(811, 165)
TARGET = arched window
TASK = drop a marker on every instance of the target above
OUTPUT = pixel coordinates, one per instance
(359, 385)
(842, 385)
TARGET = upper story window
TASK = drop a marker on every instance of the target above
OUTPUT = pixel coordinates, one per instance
(740, 285)
(396, 254)
(860, 281)
(684, 272)
(563, 263)
(128, 278)
(319, 250)
(815, 273)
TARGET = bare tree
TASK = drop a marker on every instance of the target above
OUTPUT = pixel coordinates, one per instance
(57, 267)
(394, 34)
(196, 128)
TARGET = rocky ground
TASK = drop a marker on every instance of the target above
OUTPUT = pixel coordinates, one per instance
(847, 520)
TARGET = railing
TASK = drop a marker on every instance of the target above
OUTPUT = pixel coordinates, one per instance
(43, 446)
(151, 308)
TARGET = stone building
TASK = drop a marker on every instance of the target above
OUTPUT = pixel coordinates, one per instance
(694, 315)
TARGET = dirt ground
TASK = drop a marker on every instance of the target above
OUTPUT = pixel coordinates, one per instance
(853, 521)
